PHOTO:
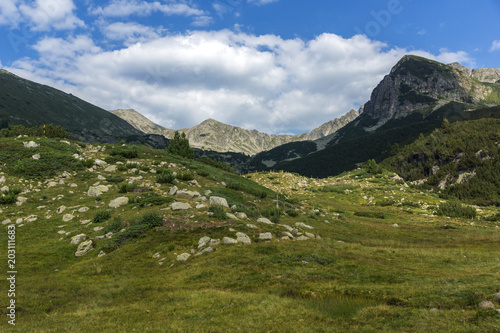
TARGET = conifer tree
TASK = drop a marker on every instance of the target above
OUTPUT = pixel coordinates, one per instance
(179, 146)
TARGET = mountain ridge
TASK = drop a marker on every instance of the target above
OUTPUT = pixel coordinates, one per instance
(214, 135)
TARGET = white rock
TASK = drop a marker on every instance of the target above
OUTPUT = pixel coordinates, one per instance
(253, 226)
(183, 257)
(61, 209)
(100, 163)
(83, 209)
(84, 248)
(95, 191)
(187, 194)
(2, 180)
(231, 216)
(264, 220)
(486, 305)
(7, 221)
(111, 168)
(67, 217)
(241, 216)
(30, 144)
(266, 236)
(218, 201)
(302, 238)
(180, 206)
(227, 241)
(118, 202)
(78, 238)
(172, 191)
(243, 238)
(303, 225)
(36, 157)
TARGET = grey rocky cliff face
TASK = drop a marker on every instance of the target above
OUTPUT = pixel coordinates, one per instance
(415, 83)
(489, 75)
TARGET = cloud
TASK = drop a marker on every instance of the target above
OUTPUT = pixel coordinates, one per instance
(495, 46)
(261, 2)
(130, 33)
(256, 82)
(45, 15)
(123, 8)
(9, 13)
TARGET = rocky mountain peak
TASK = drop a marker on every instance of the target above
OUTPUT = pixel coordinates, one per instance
(415, 83)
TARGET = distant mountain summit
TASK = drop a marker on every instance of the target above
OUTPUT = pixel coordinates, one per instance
(216, 136)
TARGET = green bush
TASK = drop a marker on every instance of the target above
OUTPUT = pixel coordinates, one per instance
(372, 167)
(88, 162)
(114, 226)
(115, 179)
(114, 159)
(126, 187)
(125, 152)
(218, 212)
(165, 177)
(386, 202)
(102, 216)
(456, 209)
(153, 199)
(132, 165)
(186, 176)
(152, 219)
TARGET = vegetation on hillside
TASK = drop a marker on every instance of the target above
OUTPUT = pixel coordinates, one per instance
(391, 267)
(179, 146)
(461, 158)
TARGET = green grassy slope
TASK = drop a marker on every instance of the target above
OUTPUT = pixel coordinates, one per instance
(385, 261)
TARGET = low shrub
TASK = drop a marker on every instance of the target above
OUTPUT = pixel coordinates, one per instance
(126, 187)
(164, 176)
(152, 219)
(186, 176)
(456, 209)
(218, 212)
(126, 152)
(115, 179)
(114, 226)
(101, 216)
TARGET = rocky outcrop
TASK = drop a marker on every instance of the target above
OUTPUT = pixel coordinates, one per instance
(415, 83)
(489, 75)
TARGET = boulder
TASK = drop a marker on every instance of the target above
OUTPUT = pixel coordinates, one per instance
(243, 238)
(231, 216)
(203, 241)
(264, 220)
(30, 144)
(61, 209)
(303, 225)
(206, 250)
(172, 191)
(95, 191)
(228, 240)
(2, 180)
(68, 217)
(78, 238)
(84, 248)
(180, 206)
(486, 305)
(496, 298)
(218, 201)
(183, 257)
(111, 168)
(302, 238)
(36, 157)
(266, 236)
(83, 209)
(187, 194)
(241, 216)
(100, 163)
(118, 202)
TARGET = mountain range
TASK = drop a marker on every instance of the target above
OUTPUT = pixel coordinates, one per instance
(216, 136)
(412, 99)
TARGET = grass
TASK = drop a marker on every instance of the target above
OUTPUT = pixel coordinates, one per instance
(362, 275)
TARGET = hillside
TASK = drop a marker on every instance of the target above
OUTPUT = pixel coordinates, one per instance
(124, 238)
(215, 136)
(23, 102)
(462, 159)
(413, 98)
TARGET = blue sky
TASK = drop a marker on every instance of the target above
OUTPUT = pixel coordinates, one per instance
(279, 66)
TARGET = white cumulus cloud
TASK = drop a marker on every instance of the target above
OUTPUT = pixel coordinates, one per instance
(51, 14)
(257, 82)
(495, 45)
